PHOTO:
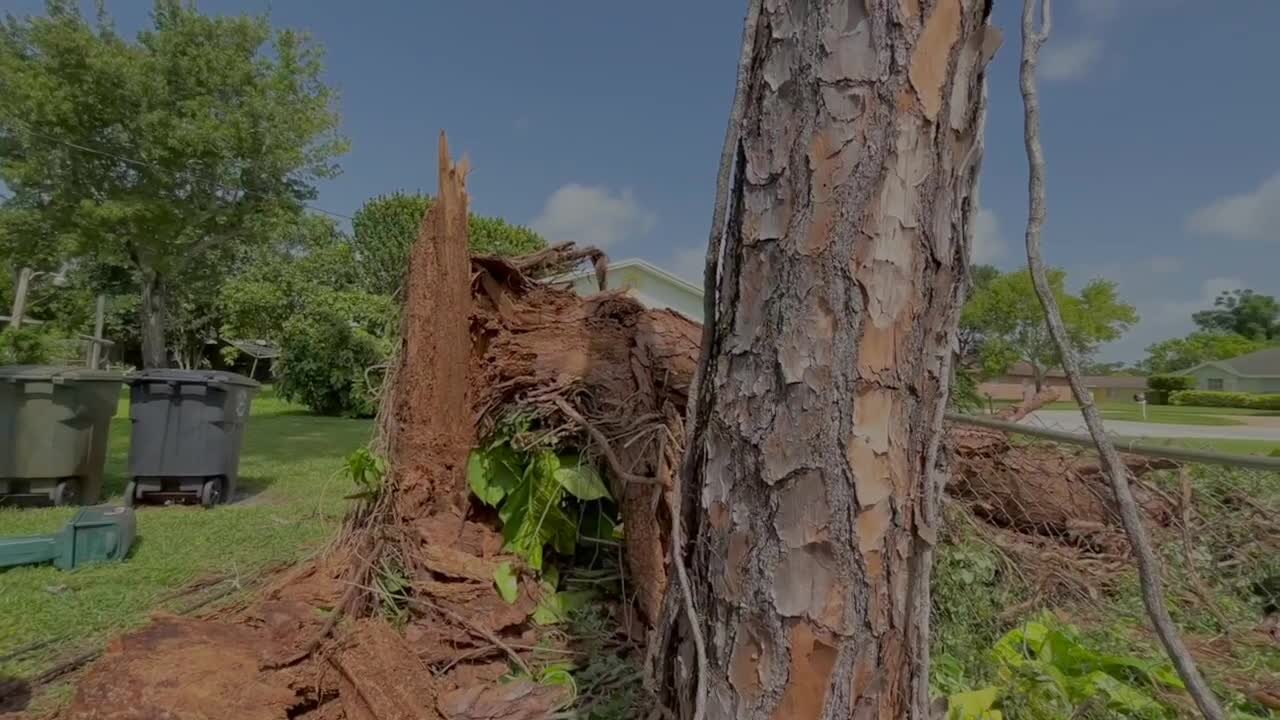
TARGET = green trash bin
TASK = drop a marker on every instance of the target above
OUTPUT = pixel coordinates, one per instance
(188, 426)
(54, 423)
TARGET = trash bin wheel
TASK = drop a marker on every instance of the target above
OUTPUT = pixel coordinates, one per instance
(131, 493)
(66, 492)
(211, 492)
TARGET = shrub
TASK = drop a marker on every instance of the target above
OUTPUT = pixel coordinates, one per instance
(1275, 452)
(1161, 386)
(25, 346)
(1214, 398)
(965, 396)
(327, 349)
(1265, 402)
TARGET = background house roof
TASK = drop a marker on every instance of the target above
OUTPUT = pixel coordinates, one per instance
(1263, 363)
(639, 264)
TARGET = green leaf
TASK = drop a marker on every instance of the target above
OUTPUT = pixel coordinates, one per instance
(559, 674)
(554, 608)
(532, 516)
(1124, 697)
(478, 479)
(493, 473)
(505, 579)
(974, 705)
(580, 479)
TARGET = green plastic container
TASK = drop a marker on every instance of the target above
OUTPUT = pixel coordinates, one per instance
(95, 534)
(54, 423)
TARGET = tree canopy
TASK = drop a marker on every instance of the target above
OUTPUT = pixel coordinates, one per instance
(1243, 312)
(1007, 325)
(385, 226)
(1176, 354)
(164, 154)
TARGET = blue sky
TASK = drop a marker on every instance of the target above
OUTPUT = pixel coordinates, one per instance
(602, 121)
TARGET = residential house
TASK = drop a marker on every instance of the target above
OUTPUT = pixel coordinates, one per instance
(1018, 383)
(1257, 372)
(646, 282)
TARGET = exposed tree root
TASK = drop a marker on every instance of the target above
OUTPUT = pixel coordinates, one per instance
(601, 373)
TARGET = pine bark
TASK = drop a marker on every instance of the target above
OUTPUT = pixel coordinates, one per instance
(814, 503)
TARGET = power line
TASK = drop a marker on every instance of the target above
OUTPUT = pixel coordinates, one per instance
(151, 166)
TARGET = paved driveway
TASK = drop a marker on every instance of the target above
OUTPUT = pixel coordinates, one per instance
(1070, 421)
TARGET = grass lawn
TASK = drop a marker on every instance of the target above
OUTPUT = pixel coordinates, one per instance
(289, 473)
(1233, 447)
(1163, 414)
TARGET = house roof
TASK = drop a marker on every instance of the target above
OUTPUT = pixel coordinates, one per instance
(1137, 382)
(641, 265)
(1260, 364)
(1023, 369)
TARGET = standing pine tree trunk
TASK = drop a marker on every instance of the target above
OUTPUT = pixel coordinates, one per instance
(813, 506)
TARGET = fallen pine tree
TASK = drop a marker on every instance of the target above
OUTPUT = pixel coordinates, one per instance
(430, 594)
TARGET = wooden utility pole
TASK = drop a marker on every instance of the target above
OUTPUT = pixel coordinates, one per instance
(95, 343)
(20, 298)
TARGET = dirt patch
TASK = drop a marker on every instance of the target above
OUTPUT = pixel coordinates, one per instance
(190, 670)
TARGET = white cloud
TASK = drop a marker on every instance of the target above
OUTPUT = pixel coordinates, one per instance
(591, 215)
(1164, 264)
(988, 244)
(1070, 59)
(1179, 311)
(689, 263)
(1162, 311)
(1252, 215)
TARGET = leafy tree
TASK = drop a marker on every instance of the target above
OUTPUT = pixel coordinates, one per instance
(278, 280)
(1110, 368)
(1008, 318)
(387, 225)
(1244, 313)
(330, 348)
(1176, 354)
(970, 333)
(166, 154)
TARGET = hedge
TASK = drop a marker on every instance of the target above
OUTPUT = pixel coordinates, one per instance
(1214, 398)
(1160, 386)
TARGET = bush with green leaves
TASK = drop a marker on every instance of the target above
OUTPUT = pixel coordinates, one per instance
(965, 396)
(1162, 386)
(330, 352)
(385, 227)
(1046, 671)
(537, 493)
(26, 346)
(1218, 398)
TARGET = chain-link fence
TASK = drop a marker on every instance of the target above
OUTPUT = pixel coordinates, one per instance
(1037, 594)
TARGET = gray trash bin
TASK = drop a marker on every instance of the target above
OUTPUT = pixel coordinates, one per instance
(188, 426)
(54, 423)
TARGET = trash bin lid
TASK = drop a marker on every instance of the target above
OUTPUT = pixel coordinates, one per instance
(192, 377)
(47, 373)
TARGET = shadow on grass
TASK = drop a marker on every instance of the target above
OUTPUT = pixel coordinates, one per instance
(15, 694)
(250, 486)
